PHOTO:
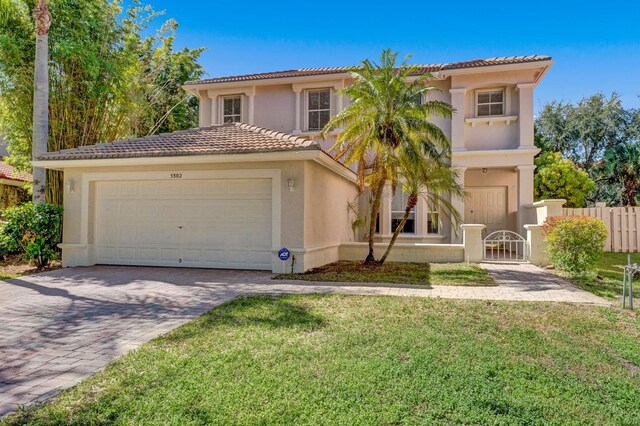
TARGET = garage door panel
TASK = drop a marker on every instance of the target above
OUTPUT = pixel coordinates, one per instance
(223, 223)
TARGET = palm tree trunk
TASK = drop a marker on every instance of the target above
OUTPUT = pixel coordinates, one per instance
(40, 98)
(375, 208)
(411, 203)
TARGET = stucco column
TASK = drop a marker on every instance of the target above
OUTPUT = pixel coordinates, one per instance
(298, 94)
(525, 118)
(525, 195)
(457, 121)
(214, 109)
(458, 203)
(250, 102)
(548, 208)
(536, 247)
(205, 109)
(472, 240)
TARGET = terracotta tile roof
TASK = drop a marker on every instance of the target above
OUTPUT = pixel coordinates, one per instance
(237, 138)
(9, 172)
(475, 63)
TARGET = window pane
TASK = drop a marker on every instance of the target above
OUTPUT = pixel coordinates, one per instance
(324, 99)
(409, 226)
(496, 96)
(496, 109)
(314, 120)
(324, 118)
(397, 202)
(417, 98)
(483, 110)
(313, 100)
(484, 98)
(237, 105)
(228, 106)
(432, 223)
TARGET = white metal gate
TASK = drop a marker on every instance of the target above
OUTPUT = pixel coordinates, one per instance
(505, 245)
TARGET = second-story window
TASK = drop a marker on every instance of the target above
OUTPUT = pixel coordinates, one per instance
(490, 102)
(319, 108)
(232, 109)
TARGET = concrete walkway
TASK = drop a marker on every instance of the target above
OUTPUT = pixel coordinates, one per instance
(59, 327)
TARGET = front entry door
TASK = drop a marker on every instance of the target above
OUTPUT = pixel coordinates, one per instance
(487, 206)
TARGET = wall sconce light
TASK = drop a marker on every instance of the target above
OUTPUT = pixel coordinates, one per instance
(484, 170)
(291, 184)
(69, 187)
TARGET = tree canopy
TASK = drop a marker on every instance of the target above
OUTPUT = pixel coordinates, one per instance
(558, 178)
(599, 136)
(108, 79)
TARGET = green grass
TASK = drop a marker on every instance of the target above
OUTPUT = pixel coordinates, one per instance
(459, 274)
(606, 281)
(351, 360)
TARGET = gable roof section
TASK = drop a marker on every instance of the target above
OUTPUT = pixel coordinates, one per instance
(236, 138)
(429, 68)
(9, 172)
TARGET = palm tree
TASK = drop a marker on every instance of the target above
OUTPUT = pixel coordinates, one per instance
(622, 165)
(433, 184)
(384, 122)
(42, 18)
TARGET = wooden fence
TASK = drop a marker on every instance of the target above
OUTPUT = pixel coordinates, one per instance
(623, 226)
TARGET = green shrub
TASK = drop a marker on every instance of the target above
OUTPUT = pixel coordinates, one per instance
(575, 243)
(32, 229)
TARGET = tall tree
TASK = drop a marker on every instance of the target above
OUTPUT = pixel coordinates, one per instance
(622, 167)
(42, 18)
(558, 177)
(108, 79)
(436, 184)
(582, 132)
(384, 122)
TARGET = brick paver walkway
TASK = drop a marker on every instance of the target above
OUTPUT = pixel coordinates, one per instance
(59, 327)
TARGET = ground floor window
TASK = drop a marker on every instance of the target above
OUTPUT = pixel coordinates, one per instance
(398, 206)
(433, 223)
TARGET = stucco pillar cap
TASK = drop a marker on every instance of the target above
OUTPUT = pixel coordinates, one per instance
(473, 226)
(543, 203)
(532, 226)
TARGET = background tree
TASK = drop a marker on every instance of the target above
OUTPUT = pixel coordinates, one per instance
(383, 123)
(584, 132)
(557, 177)
(108, 80)
(622, 168)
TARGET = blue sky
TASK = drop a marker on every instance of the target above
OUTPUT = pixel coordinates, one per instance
(595, 45)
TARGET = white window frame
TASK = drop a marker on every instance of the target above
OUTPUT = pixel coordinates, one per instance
(493, 90)
(307, 110)
(401, 212)
(223, 115)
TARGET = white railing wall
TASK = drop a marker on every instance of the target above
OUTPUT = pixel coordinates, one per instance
(623, 226)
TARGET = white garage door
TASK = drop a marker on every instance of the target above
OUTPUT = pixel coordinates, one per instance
(220, 223)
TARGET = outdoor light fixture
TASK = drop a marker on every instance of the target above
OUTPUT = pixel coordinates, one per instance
(291, 184)
(69, 186)
(484, 170)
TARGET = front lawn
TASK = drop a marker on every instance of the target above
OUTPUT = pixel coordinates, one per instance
(371, 360)
(461, 274)
(607, 279)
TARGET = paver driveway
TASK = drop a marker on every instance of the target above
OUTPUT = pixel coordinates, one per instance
(61, 326)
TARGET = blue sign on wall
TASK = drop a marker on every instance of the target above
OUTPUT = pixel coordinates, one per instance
(284, 253)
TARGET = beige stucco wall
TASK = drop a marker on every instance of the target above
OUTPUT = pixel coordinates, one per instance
(497, 178)
(327, 217)
(406, 252)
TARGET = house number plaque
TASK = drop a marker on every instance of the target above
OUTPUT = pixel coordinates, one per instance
(175, 175)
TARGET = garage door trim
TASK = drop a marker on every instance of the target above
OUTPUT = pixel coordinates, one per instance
(273, 174)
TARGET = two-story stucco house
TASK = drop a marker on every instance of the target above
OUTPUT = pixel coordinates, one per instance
(231, 193)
